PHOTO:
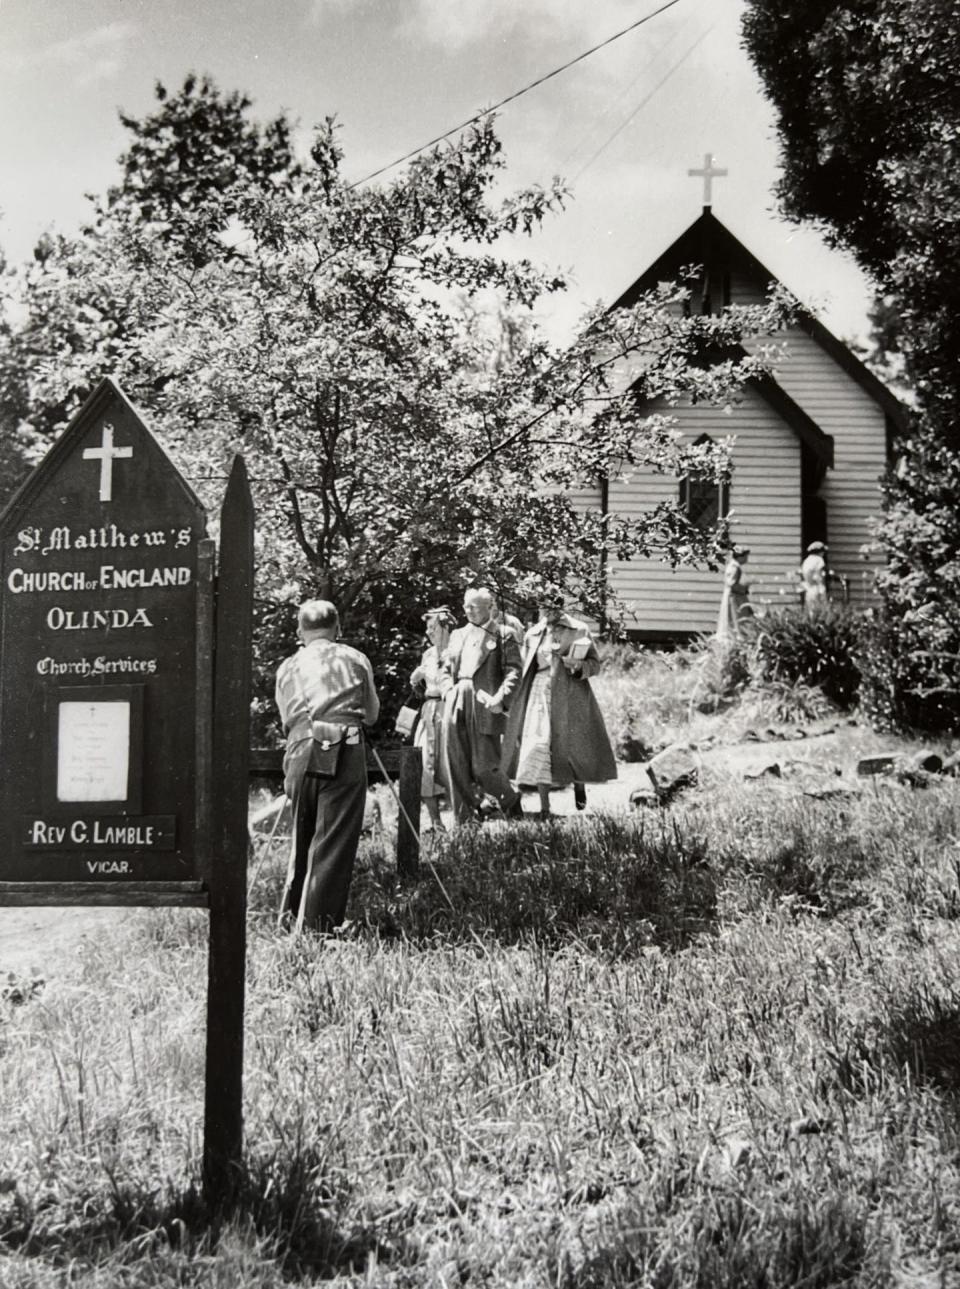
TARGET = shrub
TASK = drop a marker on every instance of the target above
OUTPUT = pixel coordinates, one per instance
(723, 672)
(907, 672)
(818, 649)
(644, 696)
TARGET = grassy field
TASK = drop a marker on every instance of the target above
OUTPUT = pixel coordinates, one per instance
(717, 1045)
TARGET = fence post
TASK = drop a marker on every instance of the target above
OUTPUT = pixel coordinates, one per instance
(408, 790)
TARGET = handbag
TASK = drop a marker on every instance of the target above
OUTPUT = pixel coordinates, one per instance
(406, 721)
(408, 714)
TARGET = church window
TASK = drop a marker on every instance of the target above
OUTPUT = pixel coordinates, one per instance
(703, 500)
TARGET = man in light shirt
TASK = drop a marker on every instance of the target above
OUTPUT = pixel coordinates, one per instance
(325, 694)
(480, 670)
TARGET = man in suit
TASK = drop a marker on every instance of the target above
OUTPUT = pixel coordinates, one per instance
(325, 695)
(480, 670)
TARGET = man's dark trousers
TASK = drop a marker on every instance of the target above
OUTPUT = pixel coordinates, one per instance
(328, 818)
(473, 758)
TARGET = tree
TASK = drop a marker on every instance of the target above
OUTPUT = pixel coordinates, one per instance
(868, 97)
(249, 300)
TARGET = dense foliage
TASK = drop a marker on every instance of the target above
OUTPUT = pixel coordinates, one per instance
(811, 649)
(868, 97)
(251, 300)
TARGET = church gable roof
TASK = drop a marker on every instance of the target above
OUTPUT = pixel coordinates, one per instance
(803, 425)
(709, 242)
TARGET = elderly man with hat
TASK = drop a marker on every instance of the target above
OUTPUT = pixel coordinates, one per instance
(814, 578)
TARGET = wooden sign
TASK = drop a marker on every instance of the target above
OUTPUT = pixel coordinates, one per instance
(105, 662)
(107, 733)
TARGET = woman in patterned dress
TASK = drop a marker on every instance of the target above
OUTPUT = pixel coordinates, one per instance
(437, 624)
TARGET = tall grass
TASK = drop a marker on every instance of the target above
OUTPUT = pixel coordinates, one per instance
(710, 689)
(717, 1047)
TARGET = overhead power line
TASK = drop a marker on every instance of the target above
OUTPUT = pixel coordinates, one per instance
(541, 80)
(643, 102)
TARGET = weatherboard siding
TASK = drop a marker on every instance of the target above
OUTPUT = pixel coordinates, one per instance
(852, 488)
(765, 515)
(843, 409)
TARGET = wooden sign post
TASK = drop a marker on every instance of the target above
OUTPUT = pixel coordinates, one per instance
(107, 733)
(223, 1108)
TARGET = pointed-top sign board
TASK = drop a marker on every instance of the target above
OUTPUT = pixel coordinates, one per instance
(105, 663)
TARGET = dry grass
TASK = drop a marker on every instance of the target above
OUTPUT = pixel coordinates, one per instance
(705, 692)
(714, 1047)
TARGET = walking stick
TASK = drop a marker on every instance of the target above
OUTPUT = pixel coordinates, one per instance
(410, 824)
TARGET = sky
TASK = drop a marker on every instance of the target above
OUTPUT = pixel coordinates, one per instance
(622, 127)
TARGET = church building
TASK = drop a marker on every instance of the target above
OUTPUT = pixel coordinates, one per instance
(811, 442)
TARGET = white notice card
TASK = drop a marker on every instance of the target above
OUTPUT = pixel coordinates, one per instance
(93, 751)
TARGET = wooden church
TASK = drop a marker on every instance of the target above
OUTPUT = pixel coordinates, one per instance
(811, 442)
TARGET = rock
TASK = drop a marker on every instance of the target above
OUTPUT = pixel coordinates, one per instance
(631, 748)
(644, 795)
(880, 764)
(673, 769)
(818, 781)
(914, 768)
(768, 770)
(829, 793)
(916, 778)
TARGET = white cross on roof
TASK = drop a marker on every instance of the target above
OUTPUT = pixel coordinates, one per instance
(709, 173)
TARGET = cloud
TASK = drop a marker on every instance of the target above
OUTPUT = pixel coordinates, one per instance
(319, 10)
(455, 24)
(93, 56)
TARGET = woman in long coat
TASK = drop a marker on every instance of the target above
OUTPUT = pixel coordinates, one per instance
(814, 579)
(735, 592)
(555, 733)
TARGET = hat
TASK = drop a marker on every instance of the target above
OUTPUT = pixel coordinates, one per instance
(441, 611)
(738, 551)
(816, 546)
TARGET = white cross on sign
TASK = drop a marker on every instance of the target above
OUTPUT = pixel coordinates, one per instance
(106, 454)
(709, 172)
